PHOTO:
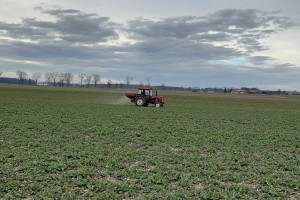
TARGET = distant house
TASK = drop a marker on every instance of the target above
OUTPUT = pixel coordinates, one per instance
(253, 91)
(236, 91)
(243, 90)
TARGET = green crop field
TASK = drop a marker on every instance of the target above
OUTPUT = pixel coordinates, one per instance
(68, 143)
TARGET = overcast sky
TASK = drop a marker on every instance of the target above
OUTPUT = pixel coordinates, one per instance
(202, 43)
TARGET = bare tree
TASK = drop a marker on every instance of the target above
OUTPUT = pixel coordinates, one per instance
(48, 77)
(81, 77)
(1, 72)
(54, 76)
(141, 84)
(96, 79)
(61, 77)
(68, 78)
(36, 77)
(22, 76)
(109, 83)
(128, 80)
(88, 80)
(148, 81)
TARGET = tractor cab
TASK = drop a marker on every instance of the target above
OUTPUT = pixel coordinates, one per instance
(147, 92)
(145, 96)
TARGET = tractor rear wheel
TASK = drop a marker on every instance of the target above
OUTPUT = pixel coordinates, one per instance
(140, 101)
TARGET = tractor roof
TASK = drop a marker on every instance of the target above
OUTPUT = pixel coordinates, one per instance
(145, 88)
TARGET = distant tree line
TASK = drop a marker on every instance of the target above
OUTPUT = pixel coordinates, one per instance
(60, 79)
(51, 78)
(94, 80)
(65, 79)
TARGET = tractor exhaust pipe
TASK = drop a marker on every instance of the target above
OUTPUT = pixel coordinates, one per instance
(156, 93)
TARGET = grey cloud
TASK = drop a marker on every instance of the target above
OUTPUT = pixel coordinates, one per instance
(182, 49)
(211, 37)
(225, 21)
(57, 11)
(244, 26)
(71, 25)
(283, 68)
(18, 31)
(243, 19)
(287, 69)
(251, 45)
(78, 28)
(284, 22)
(259, 60)
(54, 51)
(177, 27)
(267, 31)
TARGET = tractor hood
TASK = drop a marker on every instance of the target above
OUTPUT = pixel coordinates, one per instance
(160, 98)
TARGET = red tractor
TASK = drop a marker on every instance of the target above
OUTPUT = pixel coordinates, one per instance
(144, 97)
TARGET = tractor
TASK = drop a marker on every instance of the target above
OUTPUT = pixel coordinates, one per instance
(144, 97)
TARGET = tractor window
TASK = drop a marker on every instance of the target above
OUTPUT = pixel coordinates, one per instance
(148, 92)
(145, 92)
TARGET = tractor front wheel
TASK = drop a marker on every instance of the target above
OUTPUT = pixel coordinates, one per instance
(157, 105)
(140, 101)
